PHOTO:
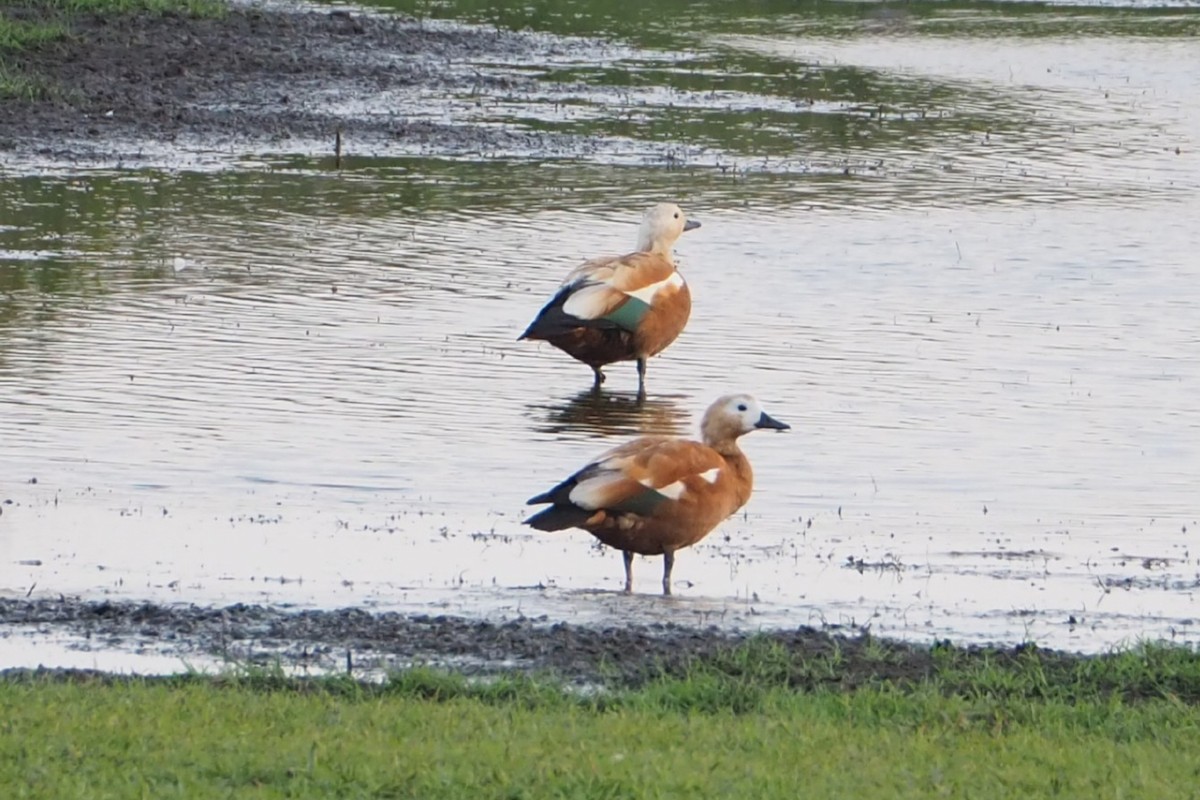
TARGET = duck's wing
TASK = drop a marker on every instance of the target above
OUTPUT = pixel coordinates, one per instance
(606, 293)
(638, 476)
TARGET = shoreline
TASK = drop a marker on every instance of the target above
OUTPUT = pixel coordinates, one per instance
(129, 88)
(324, 641)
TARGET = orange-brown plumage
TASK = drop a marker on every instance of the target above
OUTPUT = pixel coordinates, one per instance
(626, 308)
(656, 494)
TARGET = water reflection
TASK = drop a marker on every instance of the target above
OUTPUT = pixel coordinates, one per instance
(1000, 316)
(611, 413)
(676, 24)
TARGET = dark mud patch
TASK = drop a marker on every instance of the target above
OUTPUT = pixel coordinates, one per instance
(328, 640)
(1005, 555)
(281, 76)
(628, 656)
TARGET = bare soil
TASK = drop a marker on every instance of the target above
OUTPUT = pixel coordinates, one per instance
(259, 74)
(275, 74)
(326, 640)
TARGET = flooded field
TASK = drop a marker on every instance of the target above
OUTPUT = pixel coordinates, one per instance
(954, 247)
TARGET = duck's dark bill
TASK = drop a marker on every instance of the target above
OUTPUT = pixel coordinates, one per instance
(691, 225)
(766, 421)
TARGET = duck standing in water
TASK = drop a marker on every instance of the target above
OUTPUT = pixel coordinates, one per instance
(622, 308)
(658, 494)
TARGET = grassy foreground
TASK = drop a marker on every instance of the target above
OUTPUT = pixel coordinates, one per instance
(1126, 725)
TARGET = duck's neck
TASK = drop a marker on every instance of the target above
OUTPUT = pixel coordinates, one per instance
(727, 447)
(649, 244)
(740, 465)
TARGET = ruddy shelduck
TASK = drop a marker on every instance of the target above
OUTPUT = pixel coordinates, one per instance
(658, 494)
(623, 308)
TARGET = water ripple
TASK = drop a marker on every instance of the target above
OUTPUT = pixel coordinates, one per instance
(986, 346)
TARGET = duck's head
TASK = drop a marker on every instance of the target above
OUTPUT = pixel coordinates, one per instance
(734, 415)
(662, 225)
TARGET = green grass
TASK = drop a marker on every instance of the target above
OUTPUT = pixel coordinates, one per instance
(732, 727)
(18, 35)
(20, 87)
(198, 8)
(50, 20)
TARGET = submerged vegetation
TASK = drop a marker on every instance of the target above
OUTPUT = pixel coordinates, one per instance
(984, 723)
(673, 23)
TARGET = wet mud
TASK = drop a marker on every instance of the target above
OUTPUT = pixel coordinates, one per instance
(911, 553)
(332, 641)
(262, 75)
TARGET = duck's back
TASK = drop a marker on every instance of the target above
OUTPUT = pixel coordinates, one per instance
(616, 309)
(654, 494)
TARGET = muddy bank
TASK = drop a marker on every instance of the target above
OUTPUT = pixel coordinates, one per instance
(280, 76)
(325, 640)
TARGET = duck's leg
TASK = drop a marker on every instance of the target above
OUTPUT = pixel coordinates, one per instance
(628, 556)
(668, 565)
(598, 377)
(641, 366)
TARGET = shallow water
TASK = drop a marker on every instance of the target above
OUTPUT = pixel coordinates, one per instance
(958, 258)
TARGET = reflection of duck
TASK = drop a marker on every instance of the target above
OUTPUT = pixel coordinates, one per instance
(612, 413)
(625, 308)
(658, 494)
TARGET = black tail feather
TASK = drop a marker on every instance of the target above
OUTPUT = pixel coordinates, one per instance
(552, 321)
(558, 518)
(560, 495)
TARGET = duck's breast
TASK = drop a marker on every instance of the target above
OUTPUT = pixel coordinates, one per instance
(665, 319)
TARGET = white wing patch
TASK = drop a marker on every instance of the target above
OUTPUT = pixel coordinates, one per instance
(672, 490)
(590, 493)
(590, 302)
(646, 293)
(711, 475)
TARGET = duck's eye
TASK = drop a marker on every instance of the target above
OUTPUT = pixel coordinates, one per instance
(676, 215)
(741, 406)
